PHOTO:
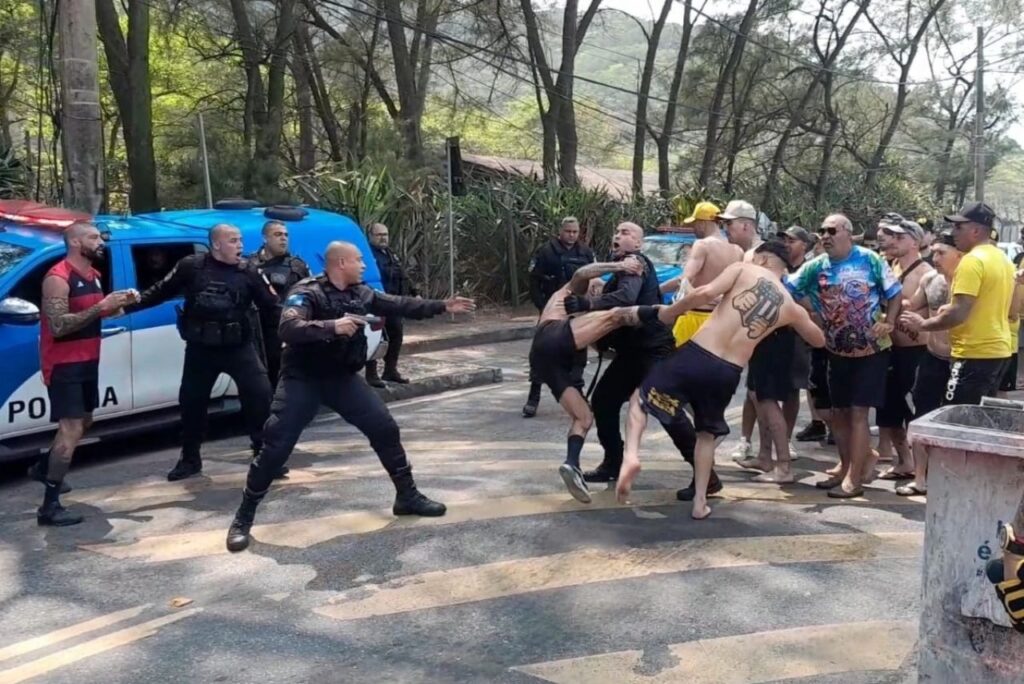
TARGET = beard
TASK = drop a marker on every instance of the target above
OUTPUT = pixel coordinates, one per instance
(95, 255)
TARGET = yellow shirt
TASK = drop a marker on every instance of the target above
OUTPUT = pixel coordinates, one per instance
(987, 275)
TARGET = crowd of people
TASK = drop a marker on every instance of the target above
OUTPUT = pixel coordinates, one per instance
(929, 318)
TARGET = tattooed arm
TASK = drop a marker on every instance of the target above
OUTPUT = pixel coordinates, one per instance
(61, 321)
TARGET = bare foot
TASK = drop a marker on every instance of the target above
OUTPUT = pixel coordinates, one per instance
(624, 485)
(776, 477)
(700, 511)
(753, 464)
(835, 470)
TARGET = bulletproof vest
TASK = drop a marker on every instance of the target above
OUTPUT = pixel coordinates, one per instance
(341, 353)
(651, 335)
(572, 260)
(283, 274)
(217, 306)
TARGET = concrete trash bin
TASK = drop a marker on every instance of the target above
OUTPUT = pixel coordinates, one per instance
(975, 481)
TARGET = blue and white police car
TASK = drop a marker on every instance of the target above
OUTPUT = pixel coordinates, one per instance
(142, 354)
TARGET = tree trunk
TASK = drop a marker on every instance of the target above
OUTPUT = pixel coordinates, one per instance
(321, 98)
(668, 126)
(265, 164)
(405, 81)
(304, 107)
(641, 127)
(707, 166)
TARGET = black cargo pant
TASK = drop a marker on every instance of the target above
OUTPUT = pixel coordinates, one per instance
(295, 404)
(272, 353)
(202, 367)
(623, 376)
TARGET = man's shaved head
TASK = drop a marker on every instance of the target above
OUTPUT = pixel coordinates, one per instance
(340, 249)
(226, 243)
(77, 230)
(627, 239)
(344, 263)
(83, 239)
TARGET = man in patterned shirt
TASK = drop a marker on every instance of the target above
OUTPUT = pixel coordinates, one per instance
(856, 300)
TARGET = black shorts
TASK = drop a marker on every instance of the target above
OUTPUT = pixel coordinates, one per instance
(972, 379)
(554, 359)
(770, 373)
(800, 371)
(73, 399)
(903, 364)
(1009, 381)
(818, 386)
(930, 385)
(858, 381)
(691, 375)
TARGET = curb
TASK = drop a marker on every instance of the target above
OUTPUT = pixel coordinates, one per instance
(434, 344)
(437, 384)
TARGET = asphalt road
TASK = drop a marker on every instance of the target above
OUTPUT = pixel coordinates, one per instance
(518, 583)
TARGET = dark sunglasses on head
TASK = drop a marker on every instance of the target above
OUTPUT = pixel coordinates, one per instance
(827, 230)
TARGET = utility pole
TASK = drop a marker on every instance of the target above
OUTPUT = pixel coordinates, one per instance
(81, 123)
(979, 123)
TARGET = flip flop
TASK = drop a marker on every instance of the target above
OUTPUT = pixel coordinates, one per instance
(892, 475)
(911, 490)
(840, 493)
(830, 483)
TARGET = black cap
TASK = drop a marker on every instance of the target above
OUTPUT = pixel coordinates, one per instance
(776, 247)
(798, 233)
(946, 238)
(974, 212)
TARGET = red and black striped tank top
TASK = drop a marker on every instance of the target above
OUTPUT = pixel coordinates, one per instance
(74, 357)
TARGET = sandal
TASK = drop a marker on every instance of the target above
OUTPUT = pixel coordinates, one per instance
(911, 490)
(894, 475)
(840, 493)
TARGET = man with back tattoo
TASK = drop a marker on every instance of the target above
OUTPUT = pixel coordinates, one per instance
(705, 371)
(69, 352)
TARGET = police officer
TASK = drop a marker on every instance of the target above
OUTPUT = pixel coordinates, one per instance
(216, 324)
(393, 275)
(283, 270)
(636, 349)
(324, 350)
(552, 267)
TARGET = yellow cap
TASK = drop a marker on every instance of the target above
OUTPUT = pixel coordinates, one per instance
(704, 211)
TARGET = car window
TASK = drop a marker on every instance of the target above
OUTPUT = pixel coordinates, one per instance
(664, 252)
(11, 256)
(30, 287)
(154, 261)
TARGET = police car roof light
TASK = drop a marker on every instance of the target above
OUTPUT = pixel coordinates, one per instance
(28, 213)
(235, 203)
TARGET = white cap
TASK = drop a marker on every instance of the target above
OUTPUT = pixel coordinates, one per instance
(739, 209)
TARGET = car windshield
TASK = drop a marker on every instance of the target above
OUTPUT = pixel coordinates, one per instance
(660, 252)
(11, 255)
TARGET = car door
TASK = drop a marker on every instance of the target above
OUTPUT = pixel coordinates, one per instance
(158, 352)
(26, 409)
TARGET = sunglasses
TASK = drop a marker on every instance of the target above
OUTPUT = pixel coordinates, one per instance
(827, 230)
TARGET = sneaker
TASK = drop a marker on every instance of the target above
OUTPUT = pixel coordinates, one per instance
(687, 493)
(794, 453)
(574, 482)
(602, 473)
(813, 432)
(744, 450)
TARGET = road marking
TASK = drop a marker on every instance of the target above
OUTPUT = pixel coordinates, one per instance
(91, 648)
(812, 651)
(586, 566)
(55, 637)
(304, 533)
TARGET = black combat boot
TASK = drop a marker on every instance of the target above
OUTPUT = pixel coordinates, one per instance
(687, 493)
(409, 500)
(38, 472)
(391, 374)
(238, 533)
(187, 466)
(51, 513)
(372, 379)
(532, 400)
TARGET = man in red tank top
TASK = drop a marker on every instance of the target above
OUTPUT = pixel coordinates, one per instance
(69, 353)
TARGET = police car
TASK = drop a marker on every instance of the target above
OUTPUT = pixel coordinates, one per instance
(142, 354)
(667, 249)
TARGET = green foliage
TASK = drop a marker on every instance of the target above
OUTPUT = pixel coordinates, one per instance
(12, 175)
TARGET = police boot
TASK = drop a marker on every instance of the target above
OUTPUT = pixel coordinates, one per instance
(607, 471)
(238, 533)
(51, 513)
(409, 500)
(372, 379)
(391, 374)
(38, 472)
(532, 400)
(688, 492)
(187, 466)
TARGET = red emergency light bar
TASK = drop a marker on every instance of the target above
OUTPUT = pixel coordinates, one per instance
(28, 213)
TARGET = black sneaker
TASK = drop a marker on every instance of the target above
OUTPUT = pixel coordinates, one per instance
(601, 474)
(36, 473)
(56, 515)
(395, 377)
(183, 469)
(530, 409)
(416, 503)
(688, 492)
(574, 482)
(813, 432)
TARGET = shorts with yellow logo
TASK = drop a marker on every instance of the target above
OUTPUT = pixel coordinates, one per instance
(687, 325)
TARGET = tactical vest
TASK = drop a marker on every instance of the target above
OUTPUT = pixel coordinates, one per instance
(282, 273)
(342, 353)
(217, 306)
(572, 260)
(652, 335)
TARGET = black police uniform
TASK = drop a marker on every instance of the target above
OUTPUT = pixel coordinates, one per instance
(396, 282)
(283, 272)
(552, 266)
(321, 367)
(218, 328)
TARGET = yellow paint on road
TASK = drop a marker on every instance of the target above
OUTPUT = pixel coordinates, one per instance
(803, 652)
(88, 649)
(527, 575)
(304, 533)
(72, 632)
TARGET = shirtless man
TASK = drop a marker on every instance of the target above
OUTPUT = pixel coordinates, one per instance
(705, 372)
(711, 254)
(932, 293)
(903, 247)
(559, 343)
